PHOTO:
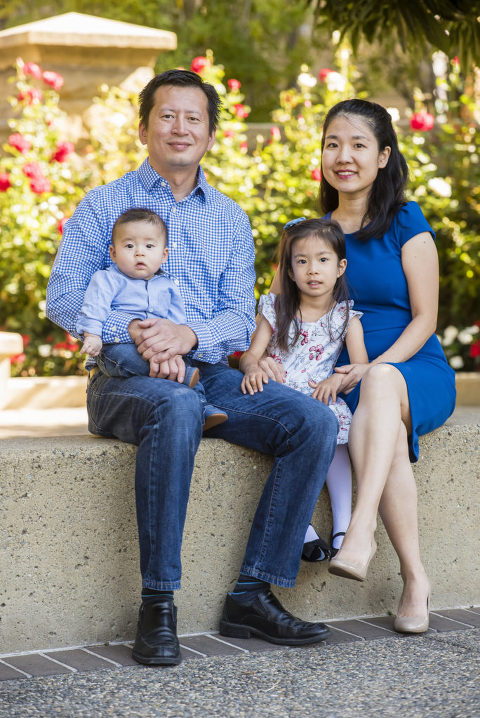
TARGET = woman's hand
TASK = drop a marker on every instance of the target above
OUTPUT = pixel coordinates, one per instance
(351, 375)
(273, 369)
(254, 379)
(327, 388)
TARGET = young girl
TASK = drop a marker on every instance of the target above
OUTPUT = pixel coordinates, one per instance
(304, 328)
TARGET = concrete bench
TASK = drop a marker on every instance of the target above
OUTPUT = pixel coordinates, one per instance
(69, 552)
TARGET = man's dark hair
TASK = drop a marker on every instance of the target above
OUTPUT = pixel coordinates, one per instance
(179, 78)
(139, 214)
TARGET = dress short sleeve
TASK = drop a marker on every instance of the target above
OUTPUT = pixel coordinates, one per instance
(409, 222)
(266, 307)
(338, 316)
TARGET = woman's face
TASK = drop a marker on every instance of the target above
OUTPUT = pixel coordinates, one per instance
(351, 157)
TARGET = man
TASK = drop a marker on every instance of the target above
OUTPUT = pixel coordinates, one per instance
(211, 255)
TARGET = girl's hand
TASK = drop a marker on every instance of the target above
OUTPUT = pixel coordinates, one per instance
(351, 375)
(327, 389)
(273, 369)
(254, 379)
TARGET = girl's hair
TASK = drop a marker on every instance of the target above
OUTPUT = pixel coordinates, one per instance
(287, 303)
(387, 193)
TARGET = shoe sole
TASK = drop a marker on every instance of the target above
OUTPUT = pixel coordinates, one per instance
(152, 661)
(195, 378)
(214, 420)
(236, 630)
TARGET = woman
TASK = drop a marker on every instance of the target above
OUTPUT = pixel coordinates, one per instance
(407, 389)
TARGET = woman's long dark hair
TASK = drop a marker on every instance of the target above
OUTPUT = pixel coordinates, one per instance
(387, 193)
(287, 303)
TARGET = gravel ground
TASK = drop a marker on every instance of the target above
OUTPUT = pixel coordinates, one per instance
(433, 675)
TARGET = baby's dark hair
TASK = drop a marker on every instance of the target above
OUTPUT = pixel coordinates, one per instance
(287, 303)
(140, 214)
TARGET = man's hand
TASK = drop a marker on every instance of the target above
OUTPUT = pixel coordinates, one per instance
(173, 369)
(91, 345)
(273, 369)
(161, 339)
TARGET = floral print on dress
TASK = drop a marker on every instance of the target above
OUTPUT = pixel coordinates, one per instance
(315, 353)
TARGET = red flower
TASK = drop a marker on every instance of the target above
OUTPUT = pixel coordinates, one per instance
(229, 133)
(26, 339)
(18, 359)
(53, 79)
(40, 184)
(323, 74)
(275, 133)
(241, 111)
(32, 170)
(199, 64)
(475, 349)
(31, 68)
(4, 181)
(30, 96)
(316, 175)
(456, 61)
(61, 224)
(422, 121)
(63, 150)
(244, 146)
(19, 142)
(234, 85)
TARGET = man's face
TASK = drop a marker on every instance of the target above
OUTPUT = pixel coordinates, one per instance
(178, 134)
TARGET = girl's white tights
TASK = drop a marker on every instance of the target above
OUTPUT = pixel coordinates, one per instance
(339, 485)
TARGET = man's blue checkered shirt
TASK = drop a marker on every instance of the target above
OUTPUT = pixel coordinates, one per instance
(211, 258)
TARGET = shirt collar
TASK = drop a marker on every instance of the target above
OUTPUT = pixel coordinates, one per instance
(149, 178)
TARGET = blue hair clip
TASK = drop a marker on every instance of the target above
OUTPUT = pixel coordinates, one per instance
(294, 221)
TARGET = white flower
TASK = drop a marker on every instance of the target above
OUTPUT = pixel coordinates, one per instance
(440, 186)
(335, 82)
(306, 79)
(449, 335)
(394, 113)
(456, 362)
(465, 337)
(44, 350)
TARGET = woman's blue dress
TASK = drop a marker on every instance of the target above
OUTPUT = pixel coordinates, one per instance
(378, 287)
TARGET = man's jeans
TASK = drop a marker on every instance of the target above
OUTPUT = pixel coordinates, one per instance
(164, 419)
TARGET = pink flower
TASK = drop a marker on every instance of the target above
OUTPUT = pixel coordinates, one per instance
(18, 359)
(422, 121)
(63, 150)
(31, 96)
(244, 146)
(229, 133)
(234, 85)
(316, 175)
(40, 184)
(323, 74)
(241, 111)
(19, 142)
(31, 68)
(199, 64)
(275, 133)
(456, 61)
(61, 224)
(4, 181)
(53, 79)
(32, 170)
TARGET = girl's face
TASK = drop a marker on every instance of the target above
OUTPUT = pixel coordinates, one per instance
(351, 158)
(315, 267)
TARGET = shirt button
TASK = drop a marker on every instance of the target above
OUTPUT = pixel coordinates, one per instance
(117, 340)
(176, 282)
(173, 245)
(114, 329)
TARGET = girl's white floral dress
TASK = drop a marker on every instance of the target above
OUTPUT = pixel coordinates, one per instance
(315, 353)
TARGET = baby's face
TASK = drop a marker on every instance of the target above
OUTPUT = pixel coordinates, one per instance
(139, 249)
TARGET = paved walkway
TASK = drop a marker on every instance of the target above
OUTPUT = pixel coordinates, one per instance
(364, 669)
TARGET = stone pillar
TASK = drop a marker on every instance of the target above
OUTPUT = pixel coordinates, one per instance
(10, 344)
(87, 51)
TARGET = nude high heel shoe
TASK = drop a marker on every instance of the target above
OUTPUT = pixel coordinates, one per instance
(413, 624)
(357, 571)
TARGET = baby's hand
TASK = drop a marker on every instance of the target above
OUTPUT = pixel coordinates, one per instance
(254, 379)
(326, 389)
(91, 345)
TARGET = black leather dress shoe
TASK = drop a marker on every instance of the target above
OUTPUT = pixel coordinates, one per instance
(265, 617)
(156, 643)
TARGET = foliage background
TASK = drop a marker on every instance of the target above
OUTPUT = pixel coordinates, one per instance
(42, 179)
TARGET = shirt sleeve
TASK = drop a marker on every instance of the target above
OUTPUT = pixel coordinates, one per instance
(96, 303)
(176, 311)
(82, 252)
(233, 318)
(266, 307)
(410, 221)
